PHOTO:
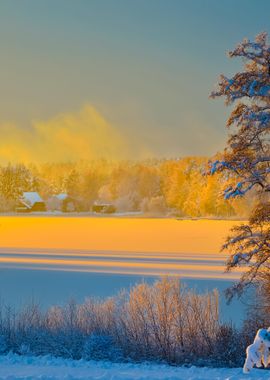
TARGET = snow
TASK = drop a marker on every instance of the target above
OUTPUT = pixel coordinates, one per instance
(14, 367)
(258, 351)
(31, 197)
(61, 196)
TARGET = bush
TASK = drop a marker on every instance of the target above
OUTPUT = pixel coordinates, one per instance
(230, 347)
(161, 322)
(101, 347)
(3, 344)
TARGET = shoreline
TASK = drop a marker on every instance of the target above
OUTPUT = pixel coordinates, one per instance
(133, 215)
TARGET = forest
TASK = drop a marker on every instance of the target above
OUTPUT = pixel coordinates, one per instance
(167, 187)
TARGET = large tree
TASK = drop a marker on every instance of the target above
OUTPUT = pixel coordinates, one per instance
(246, 158)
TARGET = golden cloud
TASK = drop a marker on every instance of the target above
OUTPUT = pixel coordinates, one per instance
(82, 135)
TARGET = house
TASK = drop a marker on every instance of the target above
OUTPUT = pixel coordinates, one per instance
(62, 202)
(68, 204)
(30, 201)
(103, 208)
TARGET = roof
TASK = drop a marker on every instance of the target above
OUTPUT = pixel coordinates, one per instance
(31, 197)
(99, 203)
(61, 196)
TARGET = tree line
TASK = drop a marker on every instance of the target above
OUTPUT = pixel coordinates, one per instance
(159, 186)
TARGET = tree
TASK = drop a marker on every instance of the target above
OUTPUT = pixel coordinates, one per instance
(246, 158)
(14, 180)
(72, 183)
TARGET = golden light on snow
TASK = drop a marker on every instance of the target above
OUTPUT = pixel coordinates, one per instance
(116, 245)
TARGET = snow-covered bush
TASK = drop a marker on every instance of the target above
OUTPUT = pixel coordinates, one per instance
(229, 347)
(67, 344)
(24, 349)
(166, 322)
(3, 344)
(159, 322)
(101, 347)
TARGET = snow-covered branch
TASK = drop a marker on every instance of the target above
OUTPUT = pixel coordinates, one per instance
(246, 159)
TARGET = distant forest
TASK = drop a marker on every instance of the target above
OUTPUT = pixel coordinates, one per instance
(180, 187)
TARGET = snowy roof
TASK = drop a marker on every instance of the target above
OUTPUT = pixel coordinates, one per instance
(99, 203)
(31, 197)
(61, 196)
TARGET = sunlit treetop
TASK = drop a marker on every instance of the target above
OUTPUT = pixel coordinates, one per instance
(247, 156)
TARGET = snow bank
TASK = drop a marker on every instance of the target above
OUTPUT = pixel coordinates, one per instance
(14, 367)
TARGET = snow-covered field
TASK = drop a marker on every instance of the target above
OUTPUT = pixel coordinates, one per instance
(187, 248)
(55, 258)
(186, 265)
(113, 234)
(46, 368)
(40, 256)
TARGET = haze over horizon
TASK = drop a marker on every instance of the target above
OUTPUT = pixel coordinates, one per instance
(121, 79)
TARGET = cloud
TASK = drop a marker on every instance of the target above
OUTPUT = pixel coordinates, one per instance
(67, 137)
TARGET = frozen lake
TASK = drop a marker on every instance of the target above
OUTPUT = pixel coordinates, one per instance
(48, 287)
(52, 259)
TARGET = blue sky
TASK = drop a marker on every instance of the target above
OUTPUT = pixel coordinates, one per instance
(146, 66)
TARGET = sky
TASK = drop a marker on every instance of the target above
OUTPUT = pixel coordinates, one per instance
(117, 78)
